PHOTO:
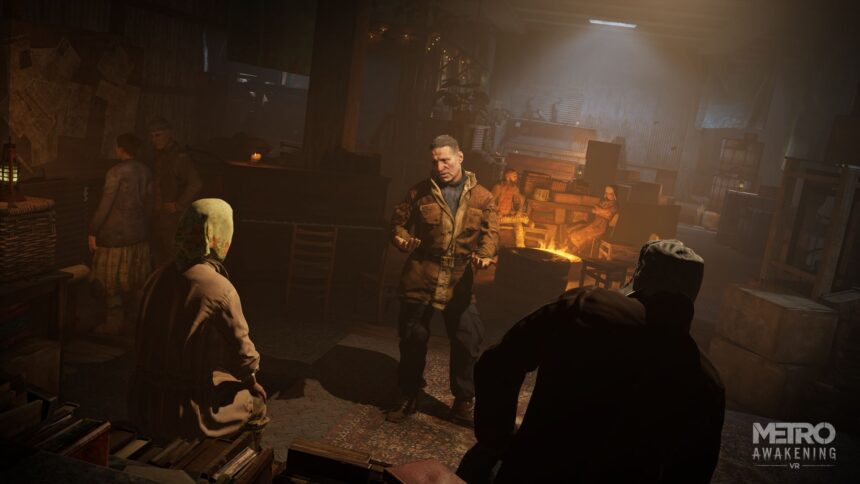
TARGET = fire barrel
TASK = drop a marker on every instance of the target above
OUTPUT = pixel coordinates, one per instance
(534, 275)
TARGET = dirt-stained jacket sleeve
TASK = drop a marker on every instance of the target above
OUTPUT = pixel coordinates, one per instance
(402, 220)
(489, 242)
(235, 329)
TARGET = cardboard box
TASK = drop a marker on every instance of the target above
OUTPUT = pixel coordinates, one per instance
(779, 327)
(761, 386)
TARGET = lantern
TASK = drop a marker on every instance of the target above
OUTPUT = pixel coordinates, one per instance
(256, 156)
(9, 168)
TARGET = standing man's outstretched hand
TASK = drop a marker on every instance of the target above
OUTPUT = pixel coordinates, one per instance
(406, 245)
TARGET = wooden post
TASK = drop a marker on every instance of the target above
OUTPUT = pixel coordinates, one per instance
(337, 63)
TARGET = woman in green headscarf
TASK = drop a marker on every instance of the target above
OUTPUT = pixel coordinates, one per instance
(195, 362)
(204, 234)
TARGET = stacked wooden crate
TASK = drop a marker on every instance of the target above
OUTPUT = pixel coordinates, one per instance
(770, 348)
(577, 206)
(566, 205)
(845, 361)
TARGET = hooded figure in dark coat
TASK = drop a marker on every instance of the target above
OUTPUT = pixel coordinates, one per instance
(622, 394)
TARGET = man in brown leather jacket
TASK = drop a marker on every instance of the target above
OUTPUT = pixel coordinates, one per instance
(450, 225)
(177, 184)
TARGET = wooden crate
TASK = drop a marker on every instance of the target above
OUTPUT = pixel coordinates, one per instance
(558, 185)
(590, 200)
(779, 327)
(570, 198)
(533, 180)
(761, 386)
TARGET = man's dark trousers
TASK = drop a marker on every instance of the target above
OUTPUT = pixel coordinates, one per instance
(465, 331)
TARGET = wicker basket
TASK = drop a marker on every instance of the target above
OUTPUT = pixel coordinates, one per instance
(28, 238)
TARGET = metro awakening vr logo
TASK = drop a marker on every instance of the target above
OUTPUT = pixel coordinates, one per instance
(794, 445)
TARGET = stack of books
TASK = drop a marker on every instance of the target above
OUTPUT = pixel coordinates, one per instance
(34, 420)
(206, 459)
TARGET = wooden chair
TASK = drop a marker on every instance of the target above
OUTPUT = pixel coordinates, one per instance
(311, 267)
(637, 223)
(605, 273)
(371, 282)
(541, 235)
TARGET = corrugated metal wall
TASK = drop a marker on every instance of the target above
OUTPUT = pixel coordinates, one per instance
(635, 92)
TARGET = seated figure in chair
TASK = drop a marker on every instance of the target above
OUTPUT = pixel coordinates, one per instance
(511, 205)
(578, 237)
(195, 363)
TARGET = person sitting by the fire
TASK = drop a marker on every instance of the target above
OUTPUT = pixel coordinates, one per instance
(511, 205)
(195, 361)
(579, 237)
(622, 393)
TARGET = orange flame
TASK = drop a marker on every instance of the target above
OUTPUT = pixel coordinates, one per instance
(561, 253)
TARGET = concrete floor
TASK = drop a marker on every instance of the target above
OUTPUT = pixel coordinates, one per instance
(311, 396)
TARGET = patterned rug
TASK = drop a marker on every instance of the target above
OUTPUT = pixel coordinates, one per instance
(425, 435)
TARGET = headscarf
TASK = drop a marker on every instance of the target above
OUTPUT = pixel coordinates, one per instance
(204, 234)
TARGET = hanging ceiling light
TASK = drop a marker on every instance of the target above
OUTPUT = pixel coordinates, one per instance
(610, 23)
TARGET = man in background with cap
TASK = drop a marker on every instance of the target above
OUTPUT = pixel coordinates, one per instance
(177, 184)
(622, 395)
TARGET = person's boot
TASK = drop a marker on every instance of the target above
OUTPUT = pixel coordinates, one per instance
(405, 406)
(463, 412)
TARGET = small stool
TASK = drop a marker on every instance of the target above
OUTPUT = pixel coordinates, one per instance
(604, 272)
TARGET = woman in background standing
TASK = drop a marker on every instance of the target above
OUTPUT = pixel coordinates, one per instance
(118, 236)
